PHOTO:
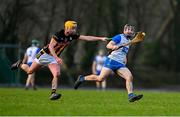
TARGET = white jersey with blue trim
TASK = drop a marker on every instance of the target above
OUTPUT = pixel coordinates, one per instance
(99, 62)
(120, 54)
(31, 53)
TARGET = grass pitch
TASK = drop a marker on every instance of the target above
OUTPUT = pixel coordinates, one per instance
(16, 101)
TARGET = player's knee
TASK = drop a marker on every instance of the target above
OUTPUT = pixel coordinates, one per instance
(56, 74)
(129, 78)
(100, 79)
(30, 72)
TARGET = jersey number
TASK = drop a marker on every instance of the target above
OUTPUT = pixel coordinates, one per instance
(30, 53)
(125, 50)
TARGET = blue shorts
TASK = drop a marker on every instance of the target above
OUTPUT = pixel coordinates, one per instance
(98, 72)
(29, 64)
(113, 65)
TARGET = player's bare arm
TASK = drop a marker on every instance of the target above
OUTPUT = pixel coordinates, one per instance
(111, 45)
(92, 38)
(51, 49)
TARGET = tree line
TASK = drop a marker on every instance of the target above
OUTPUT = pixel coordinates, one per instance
(23, 20)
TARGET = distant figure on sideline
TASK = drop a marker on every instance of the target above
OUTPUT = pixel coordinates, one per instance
(29, 57)
(97, 65)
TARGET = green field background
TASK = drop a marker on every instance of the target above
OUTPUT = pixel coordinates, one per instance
(17, 101)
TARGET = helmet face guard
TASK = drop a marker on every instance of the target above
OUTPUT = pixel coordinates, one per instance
(129, 30)
(70, 27)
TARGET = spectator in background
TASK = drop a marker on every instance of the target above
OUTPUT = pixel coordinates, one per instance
(29, 57)
(97, 66)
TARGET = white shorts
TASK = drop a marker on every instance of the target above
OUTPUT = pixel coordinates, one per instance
(45, 59)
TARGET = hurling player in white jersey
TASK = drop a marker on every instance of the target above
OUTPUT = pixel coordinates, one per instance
(97, 66)
(116, 62)
(29, 57)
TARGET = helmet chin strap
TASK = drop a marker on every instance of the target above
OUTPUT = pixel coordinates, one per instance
(128, 37)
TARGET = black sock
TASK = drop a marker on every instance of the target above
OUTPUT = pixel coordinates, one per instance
(53, 91)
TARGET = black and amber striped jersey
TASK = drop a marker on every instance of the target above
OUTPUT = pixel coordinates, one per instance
(62, 42)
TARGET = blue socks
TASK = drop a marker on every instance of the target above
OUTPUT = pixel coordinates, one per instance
(130, 95)
(82, 78)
